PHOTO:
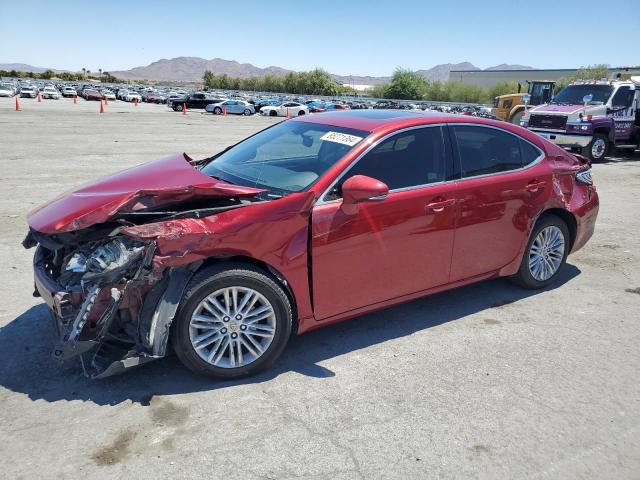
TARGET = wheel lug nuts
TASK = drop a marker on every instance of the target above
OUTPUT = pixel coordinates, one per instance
(234, 335)
(226, 319)
(224, 330)
(243, 327)
(238, 317)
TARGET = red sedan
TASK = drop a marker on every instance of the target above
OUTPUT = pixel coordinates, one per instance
(307, 223)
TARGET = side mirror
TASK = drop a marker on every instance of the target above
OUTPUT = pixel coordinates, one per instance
(526, 98)
(361, 188)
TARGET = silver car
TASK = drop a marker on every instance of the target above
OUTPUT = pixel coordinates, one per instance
(7, 90)
(238, 107)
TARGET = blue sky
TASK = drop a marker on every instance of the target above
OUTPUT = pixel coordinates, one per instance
(349, 37)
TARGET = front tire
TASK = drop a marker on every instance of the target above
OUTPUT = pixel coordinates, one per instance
(273, 113)
(234, 320)
(545, 255)
(597, 148)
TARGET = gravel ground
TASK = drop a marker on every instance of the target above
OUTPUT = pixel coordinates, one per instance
(487, 381)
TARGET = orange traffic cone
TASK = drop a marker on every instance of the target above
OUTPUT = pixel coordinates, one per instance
(75, 99)
(287, 112)
(135, 102)
(18, 105)
(101, 107)
(184, 108)
(39, 97)
(224, 110)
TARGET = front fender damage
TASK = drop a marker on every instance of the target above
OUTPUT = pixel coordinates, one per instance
(115, 291)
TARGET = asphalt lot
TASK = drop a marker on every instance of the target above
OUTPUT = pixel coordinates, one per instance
(487, 381)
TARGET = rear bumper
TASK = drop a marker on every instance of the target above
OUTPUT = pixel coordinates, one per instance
(563, 139)
(586, 216)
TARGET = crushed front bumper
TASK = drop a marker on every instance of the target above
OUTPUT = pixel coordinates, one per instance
(83, 318)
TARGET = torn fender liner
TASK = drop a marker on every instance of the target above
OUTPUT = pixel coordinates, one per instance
(150, 185)
(160, 307)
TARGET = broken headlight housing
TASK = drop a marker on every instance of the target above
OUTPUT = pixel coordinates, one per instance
(116, 256)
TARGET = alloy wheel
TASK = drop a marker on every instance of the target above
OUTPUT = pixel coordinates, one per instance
(598, 148)
(546, 253)
(232, 327)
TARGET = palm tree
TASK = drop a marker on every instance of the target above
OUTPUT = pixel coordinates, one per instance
(100, 71)
(84, 73)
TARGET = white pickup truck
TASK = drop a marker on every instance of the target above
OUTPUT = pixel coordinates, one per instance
(590, 116)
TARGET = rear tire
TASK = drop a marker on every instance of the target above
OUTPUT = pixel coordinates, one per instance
(217, 111)
(247, 112)
(273, 113)
(229, 327)
(301, 112)
(597, 149)
(541, 263)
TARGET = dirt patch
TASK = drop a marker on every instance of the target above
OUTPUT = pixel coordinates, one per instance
(492, 321)
(115, 451)
(165, 412)
(480, 448)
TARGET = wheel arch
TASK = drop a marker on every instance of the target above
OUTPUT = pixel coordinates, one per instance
(163, 301)
(568, 218)
(515, 110)
(606, 131)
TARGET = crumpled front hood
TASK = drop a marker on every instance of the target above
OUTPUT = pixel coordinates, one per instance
(164, 181)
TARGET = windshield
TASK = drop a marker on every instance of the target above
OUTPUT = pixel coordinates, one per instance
(288, 157)
(573, 94)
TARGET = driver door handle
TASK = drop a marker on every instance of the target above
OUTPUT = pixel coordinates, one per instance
(440, 205)
(534, 185)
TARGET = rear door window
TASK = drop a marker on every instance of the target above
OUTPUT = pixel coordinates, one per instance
(484, 150)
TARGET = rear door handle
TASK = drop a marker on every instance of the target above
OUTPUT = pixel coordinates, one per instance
(534, 186)
(440, 205)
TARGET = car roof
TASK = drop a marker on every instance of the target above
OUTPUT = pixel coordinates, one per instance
(390, 120)
(371, 120)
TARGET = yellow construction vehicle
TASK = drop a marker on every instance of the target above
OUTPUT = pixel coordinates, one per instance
(510, 108)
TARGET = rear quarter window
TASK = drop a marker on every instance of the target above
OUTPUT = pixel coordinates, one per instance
(529, 153)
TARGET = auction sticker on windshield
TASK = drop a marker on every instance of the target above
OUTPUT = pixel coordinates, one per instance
(343, 138)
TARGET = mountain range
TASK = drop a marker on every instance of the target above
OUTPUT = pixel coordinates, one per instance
(191, 69)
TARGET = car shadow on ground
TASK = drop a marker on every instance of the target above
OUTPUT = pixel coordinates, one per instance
(621, 157)
(26, 365)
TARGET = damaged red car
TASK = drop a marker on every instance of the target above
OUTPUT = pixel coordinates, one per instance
(309, 222)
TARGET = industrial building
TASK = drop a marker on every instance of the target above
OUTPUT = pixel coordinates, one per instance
(489, 78)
